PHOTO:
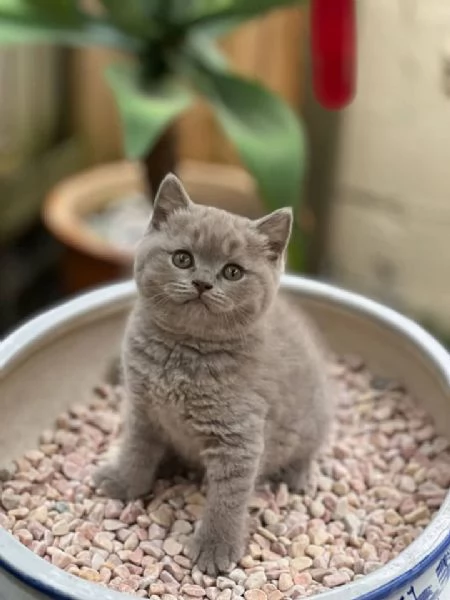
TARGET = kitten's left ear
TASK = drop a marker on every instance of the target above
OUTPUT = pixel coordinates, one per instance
(277, 228)
(171, 196)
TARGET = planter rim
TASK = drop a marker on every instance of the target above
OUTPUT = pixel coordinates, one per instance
(23, 564)
(66, 224)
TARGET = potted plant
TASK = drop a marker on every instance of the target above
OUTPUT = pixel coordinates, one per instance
(170, 57)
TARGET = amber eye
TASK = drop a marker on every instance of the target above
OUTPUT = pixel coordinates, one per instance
(232, 272)
(182, 259)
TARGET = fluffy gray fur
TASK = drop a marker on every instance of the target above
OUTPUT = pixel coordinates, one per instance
(224, 373)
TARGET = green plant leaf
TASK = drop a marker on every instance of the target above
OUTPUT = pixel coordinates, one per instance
(145, 114)
(231, 12)
(266, 133)
(56, 22)
(134, 16)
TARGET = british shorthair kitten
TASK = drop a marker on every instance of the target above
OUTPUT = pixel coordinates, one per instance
(217, 366)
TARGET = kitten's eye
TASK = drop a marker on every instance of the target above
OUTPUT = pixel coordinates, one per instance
(182, 259)
(232, 272)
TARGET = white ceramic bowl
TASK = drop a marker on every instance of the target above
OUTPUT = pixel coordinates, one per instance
(55, 360)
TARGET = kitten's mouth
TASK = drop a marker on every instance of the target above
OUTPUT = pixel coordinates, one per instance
(197, 300)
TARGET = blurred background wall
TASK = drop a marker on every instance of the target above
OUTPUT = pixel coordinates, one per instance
(377, 200)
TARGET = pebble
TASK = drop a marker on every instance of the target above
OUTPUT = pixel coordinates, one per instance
(9, 500)
(301, 563)
(255, 595)
(60, 528)
(163, 516)
(285, 582)
(374, 491)
(270, 517)
(102, 540)
(172, 547)
(180, 526)
(317, 509)
(335, 579)
(416, 515)
(194, 591)
(112, 524)
(352, 524)
(255, 580)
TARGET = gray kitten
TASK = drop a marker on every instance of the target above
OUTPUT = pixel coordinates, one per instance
(217, 367)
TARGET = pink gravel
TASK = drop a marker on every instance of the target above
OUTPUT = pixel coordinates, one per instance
(376, 487)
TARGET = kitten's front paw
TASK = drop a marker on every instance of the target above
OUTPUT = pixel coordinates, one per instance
(212, 554)
(117, 483)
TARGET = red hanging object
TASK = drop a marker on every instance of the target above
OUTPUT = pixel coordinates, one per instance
(333, 49)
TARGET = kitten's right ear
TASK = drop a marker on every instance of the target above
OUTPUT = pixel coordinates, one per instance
(171, 196)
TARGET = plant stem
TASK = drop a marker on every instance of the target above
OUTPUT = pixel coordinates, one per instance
(161, 159)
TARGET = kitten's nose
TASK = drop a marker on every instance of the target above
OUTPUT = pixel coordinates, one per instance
(202, 286)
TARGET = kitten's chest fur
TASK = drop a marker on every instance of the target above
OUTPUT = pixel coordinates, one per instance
(182, 386)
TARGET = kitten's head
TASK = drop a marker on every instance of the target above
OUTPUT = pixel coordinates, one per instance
(204, 272)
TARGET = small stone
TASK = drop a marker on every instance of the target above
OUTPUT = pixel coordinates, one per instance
(392, 517)
(9, 500)
(223, 595)
(317, 509)
(270, 517)
(130, 513)
(155, 532)
(102, 540)
(40, 514)
(285, 582)
(25, 537)
(335, 579)
(416, 515)
(182, 527)
(162, 516)
(341, 509)
(194, 591)
(224, 582)
(237, 575)
(275, 595)
(352, 524)
(62, 507)
(340, 488)
(60, 558)
(89, 574)
(255, 595)
(247, 562)
(320, 537)
(302, 563)
(152, 549)
(132, 542)
(340, 561)
(407, 484)
(60, 528)
(314, 551)
(113, 509)
(172, 547)
(255, 580)
(136, 556)
(112, 524)
(304, 579)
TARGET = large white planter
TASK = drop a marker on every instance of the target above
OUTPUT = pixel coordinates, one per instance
(55, 359)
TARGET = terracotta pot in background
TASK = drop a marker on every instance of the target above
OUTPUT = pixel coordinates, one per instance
(90, 260)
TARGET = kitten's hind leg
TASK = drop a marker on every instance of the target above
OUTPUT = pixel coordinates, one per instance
(131, 472)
